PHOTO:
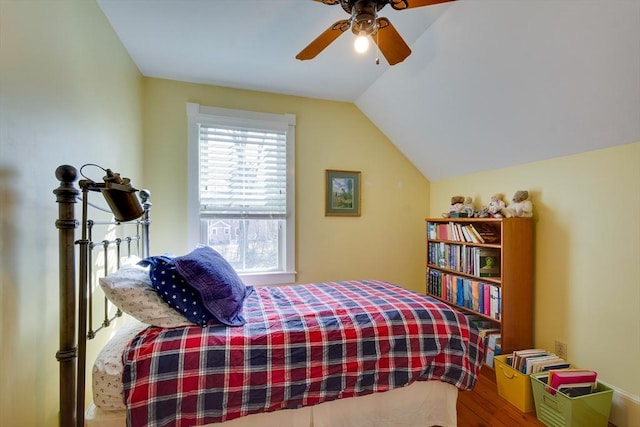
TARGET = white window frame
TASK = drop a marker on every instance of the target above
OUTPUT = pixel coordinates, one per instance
(199, 114)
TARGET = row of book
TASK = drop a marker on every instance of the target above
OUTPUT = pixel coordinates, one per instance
(561, 378)
(477, 261)
(534, 360)
(477, 232)
(481, 297)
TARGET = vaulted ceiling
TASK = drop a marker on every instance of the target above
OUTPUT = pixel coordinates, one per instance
(489, 83)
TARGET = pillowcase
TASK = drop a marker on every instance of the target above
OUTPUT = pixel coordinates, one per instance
(106, 374)
(219, 286)
(130, 290)
(175, 291)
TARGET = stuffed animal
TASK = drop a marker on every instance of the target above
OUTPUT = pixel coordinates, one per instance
(457, 205)
(496, 206)
(467, 207)
(483, 212)
(520, 206)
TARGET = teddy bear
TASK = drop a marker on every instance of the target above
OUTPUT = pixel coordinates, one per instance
(520, 206)
(483, 212)
(467, 207)
(457, 205)
(496, 206)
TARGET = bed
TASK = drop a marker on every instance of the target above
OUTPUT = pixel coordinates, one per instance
(348, 353)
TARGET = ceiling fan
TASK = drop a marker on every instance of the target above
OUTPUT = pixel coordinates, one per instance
(364, 21)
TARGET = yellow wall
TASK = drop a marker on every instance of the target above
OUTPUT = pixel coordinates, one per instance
(69, 94)
(587, 255)
(386, 242)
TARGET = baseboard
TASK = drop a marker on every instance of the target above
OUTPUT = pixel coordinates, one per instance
(625, 408)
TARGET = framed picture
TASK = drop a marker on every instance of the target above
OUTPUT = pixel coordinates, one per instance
(342, 193)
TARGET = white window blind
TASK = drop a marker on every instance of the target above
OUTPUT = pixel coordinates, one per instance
(243, 172)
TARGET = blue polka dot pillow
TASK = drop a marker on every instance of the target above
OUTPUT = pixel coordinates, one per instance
(175, 291)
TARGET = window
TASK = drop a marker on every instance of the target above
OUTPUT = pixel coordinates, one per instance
(241, 190)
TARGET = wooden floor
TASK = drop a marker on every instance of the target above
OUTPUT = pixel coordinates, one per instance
(483, 407)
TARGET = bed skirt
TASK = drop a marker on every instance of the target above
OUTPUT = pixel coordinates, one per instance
(423, 403)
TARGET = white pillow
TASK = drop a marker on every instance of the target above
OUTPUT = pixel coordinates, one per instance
(130, 290)
(108, 391)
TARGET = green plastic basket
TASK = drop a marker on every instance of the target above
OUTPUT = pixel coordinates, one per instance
(560, 410)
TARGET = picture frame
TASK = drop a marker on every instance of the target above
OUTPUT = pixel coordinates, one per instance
(342, 193)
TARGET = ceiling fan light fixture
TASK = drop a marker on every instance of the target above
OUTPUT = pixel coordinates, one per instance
(364, 19)
(361, 44)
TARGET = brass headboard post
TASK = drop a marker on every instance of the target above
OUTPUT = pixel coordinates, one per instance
(66, 195)
(83, 301)
(145, 195)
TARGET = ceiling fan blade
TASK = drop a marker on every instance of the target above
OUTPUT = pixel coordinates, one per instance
(407, 4)
(323, 40)
(390, 42)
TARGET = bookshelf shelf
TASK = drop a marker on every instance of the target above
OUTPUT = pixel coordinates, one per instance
(455, 274)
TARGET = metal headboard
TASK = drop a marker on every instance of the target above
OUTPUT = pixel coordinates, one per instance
(75, 294)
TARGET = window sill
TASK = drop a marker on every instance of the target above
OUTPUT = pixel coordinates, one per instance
(269, 279)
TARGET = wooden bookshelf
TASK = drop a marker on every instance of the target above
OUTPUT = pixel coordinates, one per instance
(514, 244)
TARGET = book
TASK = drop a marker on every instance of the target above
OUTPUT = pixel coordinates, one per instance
(577, 389)
(566, 378)
(495, 301)
(466, 233)
(481, 323)
(486, 332)
(459, 291)
(489, 262)
(431, 231)
(489, 233)
(475, 296)
(453, 232)
(545, 363)
(486, 299)
(474, 234)
(532, 361)
(519, 357)
(552, 362)
(493, 348)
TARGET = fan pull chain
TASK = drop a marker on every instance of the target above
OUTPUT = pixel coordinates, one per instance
(377, 40)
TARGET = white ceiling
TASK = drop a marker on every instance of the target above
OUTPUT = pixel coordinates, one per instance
(490, 83)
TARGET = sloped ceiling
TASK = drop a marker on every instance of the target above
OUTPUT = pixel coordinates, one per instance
(489, 84)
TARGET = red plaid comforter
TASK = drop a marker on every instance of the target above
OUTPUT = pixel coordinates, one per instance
(301, 345)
